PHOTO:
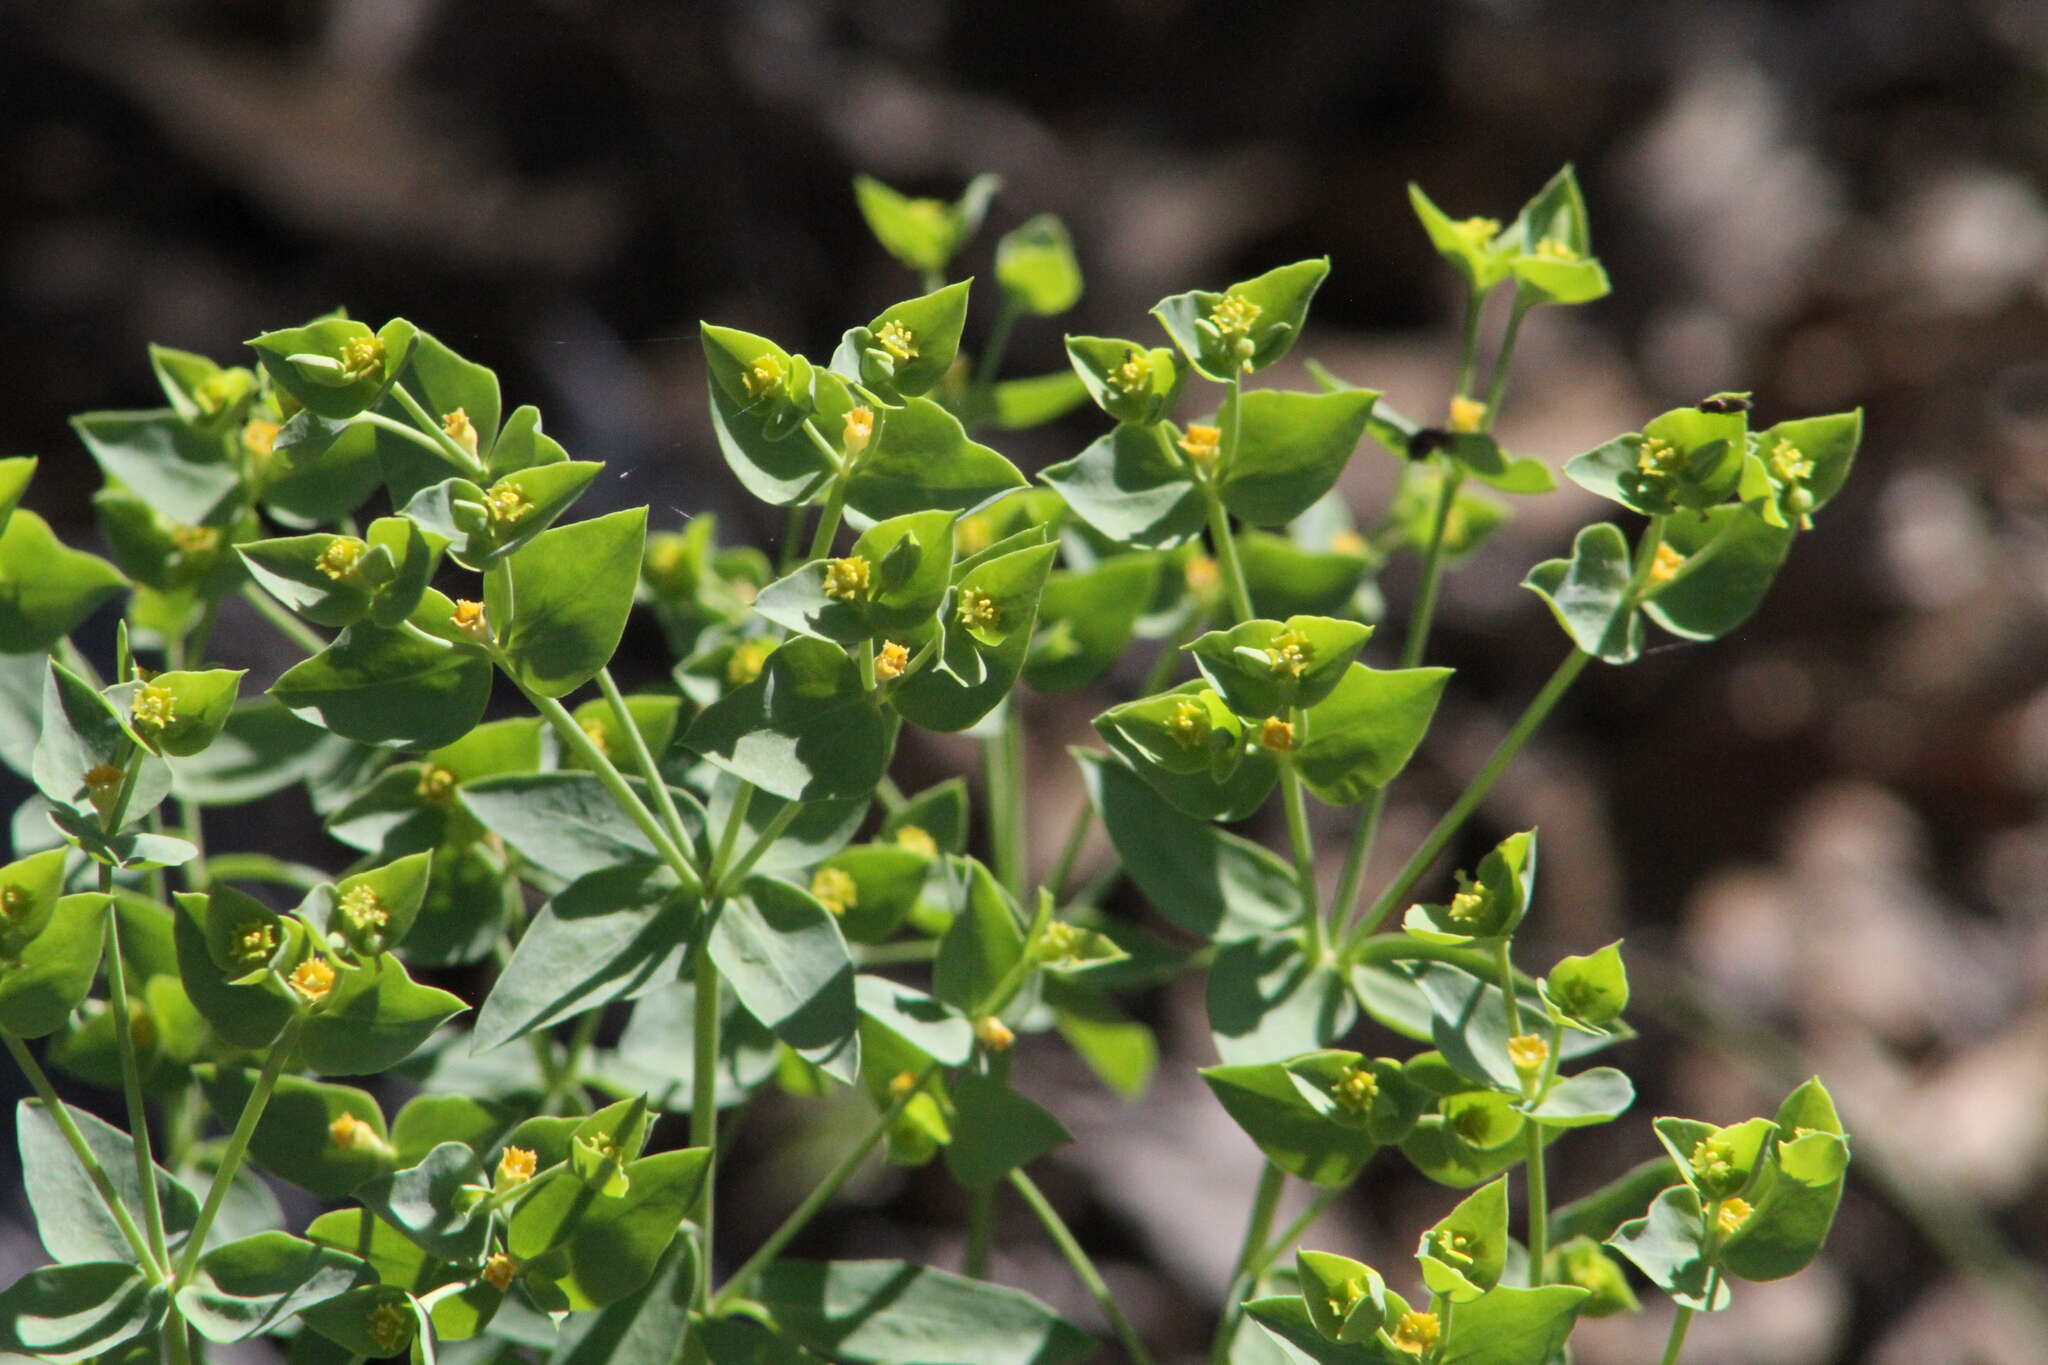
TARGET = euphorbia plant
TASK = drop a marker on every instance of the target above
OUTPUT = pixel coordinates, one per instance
(701, 889)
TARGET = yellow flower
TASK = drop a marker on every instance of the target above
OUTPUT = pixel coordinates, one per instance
(993, 1034)
(599, 736)
(312, 979)
(1290, 653)
(14, 902)
(1789, 464)
(917, 840)
(1478, 232)
(763, 377)
(1349, 543)
(499, 1270)
(1189, 724)
(835, 889)
(902, 1083)
(1416, 1332)
(103, 784)
(1203, 576)
(977, 608)
(1657, 458)
(1734, 1213)
(362, 357)
(1134, 376)
(468, 618)
(1234, 315)
(363, 909)
(196, 540)
(1467, 414)
(352, 1134)
(457, 427)
(390, 1326)
(1665, 566)
(1553, 250)
(259, 436)
(436, 783)
(1202, 443)
(891, 661)
(516, 1166)
(974, 534)
(846, 580)
(1471, 904)
(899, 341)
(1276, 735)
(255, 942)
(507, 504)
(1355, 1089)
(156, 708)
(748, 659)
(1060, 942)
(339, 559)
(1529, 1052)
(860, 429)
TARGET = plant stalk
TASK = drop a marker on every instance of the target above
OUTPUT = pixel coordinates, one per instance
(704, 1107)
(1226, 553)
(238, 1147)
(1257, 1230)
(131, 1078)
(1676, 1341)
(1303, 845)
(445, 443)
(1083, 1268)
(293, 629)
(643, 759)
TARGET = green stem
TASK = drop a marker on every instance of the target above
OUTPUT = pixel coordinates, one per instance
(1296, 1230)
(895, 954)
(1506, 981)
(643, 759)
(1468, 349)
(729, 837)
(117, 1209)
(289, 625)
(1226, 554)
(238, 1147)
(828, 520)
(1083, 1268)
(1498, 387)
(570, 1070)
(193, 873)
(131, 1078)
(991, 359)
(1070, 851)
(776, 827)
(1676, 1341)
(1004, 757)
(792, 537)
(704, 1108)
(406, 431)
(1454, 818)
(177, 1344)
(1539, 1201)
(1304, 859)
(1258, 1229)
(445, 443)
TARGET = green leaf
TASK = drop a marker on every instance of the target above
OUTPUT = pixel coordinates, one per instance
(1265, 668)
(1122, 1052)
(979, 662)
(1288, 1321)
(74, 1225)
(426, 1121)
(996, 1131)
(1667, 1244)
(909, 346)
(46, 588)
(1036, 267)
(758, 436)
(1301, 1138)
(1474, 245)
(874, 1312)
(560, 605)
(295, 1139)
(315, 364)
(386, 901)
(652, 1322)
(1582, 1261)
(1346, 1299)
(248, 1016)
(1266, 1001)
(16, 471)
(1510, 1326)
(940, 810)
(177, 471)
(923, 234)
(612, 934)
(1278, 303)
(1589, 992)
(1471, 1025)
(52, 972)
(1463, 1255)
(1287, 580)
(1131, 383)
(1020, 404)
(1731, 556)
(566, 824)
(886, 881)
(431, 1202)
(390, 688)
(1086, 618)
(324, 477)
(1598, 1214)
(73, 1312)
(984, 944)
(783, 953)
(1790, 1221)
(82, 732)
(908, 567)
(1362, 735)
(1205, 880)
(1130, 488)
(1488, 905)
(1825, 445)
(374, 1321)
(1597, 1096)
(1289, 449)
(482, 526)
(931, 1026)
(259, 1283)
(375, 1018)
(187, 709)
(921, 459)
(1561, 281)
(1589, 594)
(612, 1244)
(289, 569)
(807, 729)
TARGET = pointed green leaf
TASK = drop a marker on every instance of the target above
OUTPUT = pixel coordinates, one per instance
(260, 1283)
(871, 1312)
(1365, 731)
(921, 459)
(1589, 594)
(560, 605)
(807, 729)
(1288, 449)
(47, 589)
(783, 953)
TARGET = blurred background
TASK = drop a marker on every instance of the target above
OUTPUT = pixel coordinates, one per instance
(1823, 836)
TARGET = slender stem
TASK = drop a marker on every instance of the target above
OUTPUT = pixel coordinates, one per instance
(1226, 553)
(469, 463)
(1676, 1341)
(615, 783)
(131, 1078)
(704, 1108)
(1454, 818)
(1539, 1202)
(1257, 1231)
(729, 837)
(117, 1209)
(776, 827)
(238, 1147)
(1468, 348)
(895, 954)
(408, 432)
(981, 1219)
(643, 758)
(1304, 860)
(1083, 1268)
(1506, 981)
(1296, 1230)
(1498, 387)
(193, 873)
(819, 1196)
(297, 631)
(1168, 662)
(991, 359)
(828, 520)
(177, 1344)
(1070, 851)
(570, 1070)
(1005, 767)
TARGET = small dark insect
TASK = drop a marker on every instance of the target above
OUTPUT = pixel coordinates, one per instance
(1427, 441)
(1726, 403)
